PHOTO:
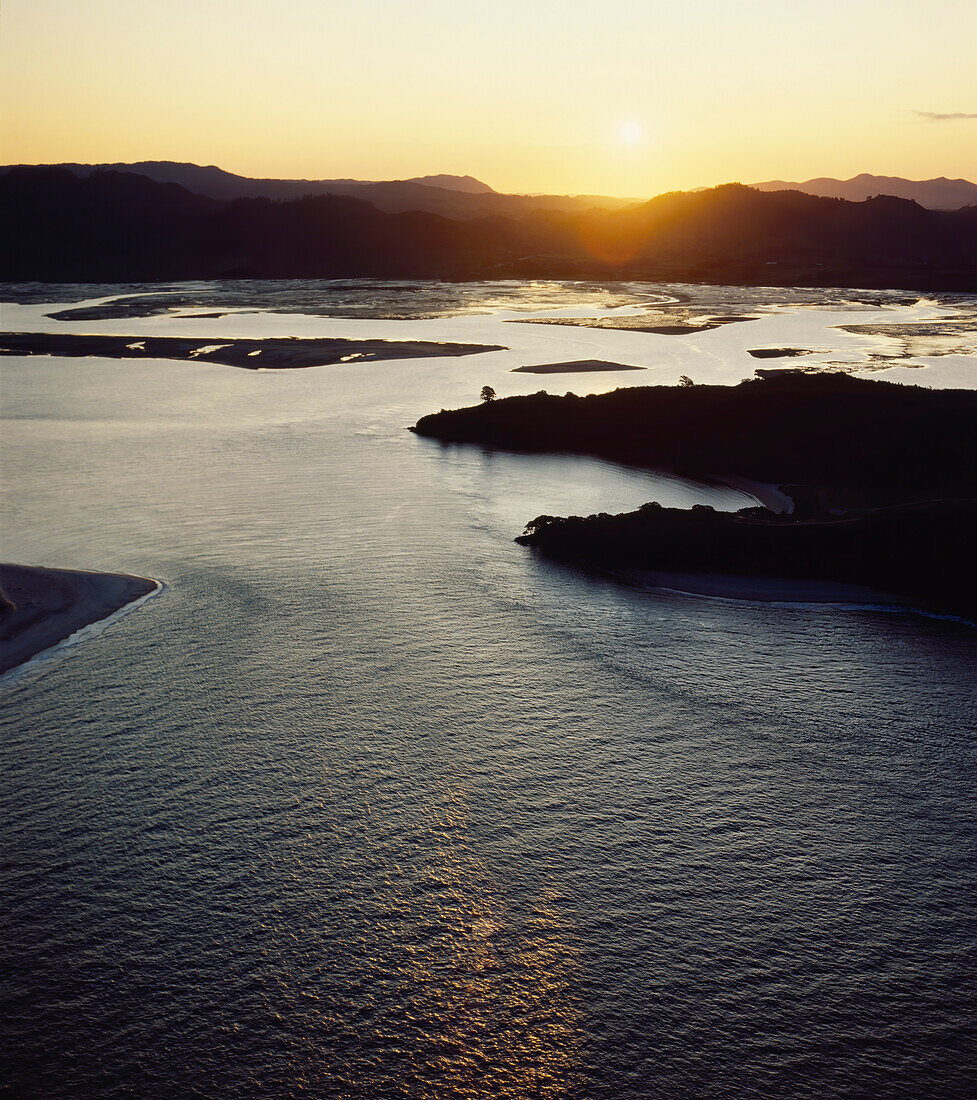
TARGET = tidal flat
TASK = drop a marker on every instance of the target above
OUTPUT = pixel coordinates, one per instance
(282, 354)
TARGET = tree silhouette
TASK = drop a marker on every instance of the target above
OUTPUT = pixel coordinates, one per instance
(487, 394)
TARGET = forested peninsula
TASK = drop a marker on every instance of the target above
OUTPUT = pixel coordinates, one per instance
(883, 478)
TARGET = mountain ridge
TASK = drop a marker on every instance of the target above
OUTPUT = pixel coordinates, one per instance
(118, 227)
(939, 193)
(464, 196)
(459, 197)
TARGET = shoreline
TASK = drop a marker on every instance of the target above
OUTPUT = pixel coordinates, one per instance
(788, 592)
(917, 553)
(770, 495)
(51, 606)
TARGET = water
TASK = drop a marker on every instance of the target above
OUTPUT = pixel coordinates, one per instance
(371, 802)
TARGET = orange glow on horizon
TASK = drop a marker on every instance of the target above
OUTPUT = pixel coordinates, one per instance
(632, 99)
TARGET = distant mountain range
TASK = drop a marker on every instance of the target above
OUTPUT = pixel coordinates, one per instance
(451, 196)
(935, 194)
(110, 226)
(465, 197)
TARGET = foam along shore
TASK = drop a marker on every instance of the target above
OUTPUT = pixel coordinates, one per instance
(41, 607)
(267, 354)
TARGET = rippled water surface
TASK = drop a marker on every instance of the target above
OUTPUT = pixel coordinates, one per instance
(370, 802)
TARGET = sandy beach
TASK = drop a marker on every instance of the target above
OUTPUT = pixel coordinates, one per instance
(49, 605)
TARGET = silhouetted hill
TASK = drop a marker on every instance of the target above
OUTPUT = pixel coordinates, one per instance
(740, 235)
(119, 226)
(455, 183)
(778, 227)
(451, 196)
(935, 194)
(114, 226)
(56, 226)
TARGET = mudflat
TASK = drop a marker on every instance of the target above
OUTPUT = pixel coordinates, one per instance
(660, 322)
(270, 354)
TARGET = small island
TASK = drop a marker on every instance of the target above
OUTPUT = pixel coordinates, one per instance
(41, 607)
(883, 478)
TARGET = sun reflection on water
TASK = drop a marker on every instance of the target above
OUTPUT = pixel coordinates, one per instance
(482, 1001)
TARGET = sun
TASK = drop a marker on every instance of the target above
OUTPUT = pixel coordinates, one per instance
(630, 132)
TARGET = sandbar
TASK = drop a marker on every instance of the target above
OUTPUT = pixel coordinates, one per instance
(41, 607)
(267, 354)
(116, 310)
(779, 353)
(576, 366)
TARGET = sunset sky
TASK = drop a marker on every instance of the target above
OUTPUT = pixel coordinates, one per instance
(626, 97)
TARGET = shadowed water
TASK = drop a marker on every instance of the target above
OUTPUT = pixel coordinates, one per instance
(370, 802)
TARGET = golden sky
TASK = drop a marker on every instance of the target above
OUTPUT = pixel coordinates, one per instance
(625, 97)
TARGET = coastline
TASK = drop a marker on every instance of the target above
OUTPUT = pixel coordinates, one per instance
(52, 605)
(915, 552)
(767, 493)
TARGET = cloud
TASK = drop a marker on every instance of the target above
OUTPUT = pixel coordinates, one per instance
(936, 116)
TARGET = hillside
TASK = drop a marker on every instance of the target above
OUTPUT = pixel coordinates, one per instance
(450, 196)
(119, 226)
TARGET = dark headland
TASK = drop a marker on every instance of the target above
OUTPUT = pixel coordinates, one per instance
(41, 607)
(883, 478)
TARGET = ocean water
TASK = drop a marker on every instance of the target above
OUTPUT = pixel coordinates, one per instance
(372, 802)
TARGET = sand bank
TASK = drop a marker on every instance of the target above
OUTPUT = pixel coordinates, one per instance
(576, 366)
(269, 354)
(779, 353)
(49, 605)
